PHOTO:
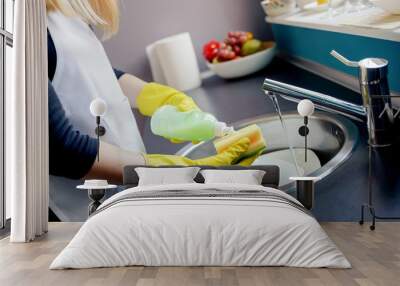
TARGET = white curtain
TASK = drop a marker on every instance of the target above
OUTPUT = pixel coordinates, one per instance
(27, 124)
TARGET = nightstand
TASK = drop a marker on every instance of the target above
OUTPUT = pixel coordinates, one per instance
(95, 193)
(305, 190)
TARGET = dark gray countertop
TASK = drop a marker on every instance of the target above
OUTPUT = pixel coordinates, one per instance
(338, 197)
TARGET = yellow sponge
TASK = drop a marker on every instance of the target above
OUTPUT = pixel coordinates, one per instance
(253, 132)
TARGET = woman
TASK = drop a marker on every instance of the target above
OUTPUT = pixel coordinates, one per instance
(80, 71)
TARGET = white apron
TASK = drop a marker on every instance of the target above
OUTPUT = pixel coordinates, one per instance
(83, 72)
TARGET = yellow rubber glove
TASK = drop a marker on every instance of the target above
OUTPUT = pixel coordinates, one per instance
(226, 158)
(155, 95)
(249, 160)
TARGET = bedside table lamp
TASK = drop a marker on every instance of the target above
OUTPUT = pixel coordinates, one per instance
(98, 108)
(305, 108)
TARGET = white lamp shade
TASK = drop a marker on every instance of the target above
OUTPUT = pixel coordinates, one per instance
(98, 107)
(305, 107)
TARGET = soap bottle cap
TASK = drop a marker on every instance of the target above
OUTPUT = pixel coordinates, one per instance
(221, 129)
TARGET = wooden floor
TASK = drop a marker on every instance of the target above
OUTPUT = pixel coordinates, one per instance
(375, 257)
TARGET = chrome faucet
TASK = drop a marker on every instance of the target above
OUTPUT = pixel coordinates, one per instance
(376, 109)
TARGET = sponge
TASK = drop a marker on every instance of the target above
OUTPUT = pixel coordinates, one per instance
(253, 132)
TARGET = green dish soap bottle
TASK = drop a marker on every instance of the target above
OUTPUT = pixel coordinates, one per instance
(193, 125)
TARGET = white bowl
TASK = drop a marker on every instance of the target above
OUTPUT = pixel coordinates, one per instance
(274, 10)
(391, 6)
(244, 66)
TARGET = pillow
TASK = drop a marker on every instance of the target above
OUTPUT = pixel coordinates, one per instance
(243, 177)
(166, 176)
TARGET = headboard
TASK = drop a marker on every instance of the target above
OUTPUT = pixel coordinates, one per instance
(271, 177)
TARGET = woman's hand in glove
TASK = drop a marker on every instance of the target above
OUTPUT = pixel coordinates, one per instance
(228, 157)
(249, 160)
(155, 95)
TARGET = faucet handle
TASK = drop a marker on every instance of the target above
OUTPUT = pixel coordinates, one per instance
(372, 71)
(344, 60)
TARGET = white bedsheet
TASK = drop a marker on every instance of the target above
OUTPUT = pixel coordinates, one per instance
(200, 231)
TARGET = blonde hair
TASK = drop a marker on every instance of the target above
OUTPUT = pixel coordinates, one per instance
(104, 14)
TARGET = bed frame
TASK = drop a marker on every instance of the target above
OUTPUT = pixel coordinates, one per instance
(271, 177)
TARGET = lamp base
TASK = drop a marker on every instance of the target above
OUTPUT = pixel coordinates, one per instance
(95, 196)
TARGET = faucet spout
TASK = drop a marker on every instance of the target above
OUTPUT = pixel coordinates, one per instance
(321, 101)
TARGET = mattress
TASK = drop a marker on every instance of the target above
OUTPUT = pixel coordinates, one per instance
(201, 225)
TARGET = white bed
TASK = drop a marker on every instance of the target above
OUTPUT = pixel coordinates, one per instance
(244, 226)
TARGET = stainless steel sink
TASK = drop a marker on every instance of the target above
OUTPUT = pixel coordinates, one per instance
(332, 138)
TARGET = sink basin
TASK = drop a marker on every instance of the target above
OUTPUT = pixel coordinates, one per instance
(331, 140)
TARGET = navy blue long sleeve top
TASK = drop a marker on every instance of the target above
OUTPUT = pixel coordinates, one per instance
(72, 153)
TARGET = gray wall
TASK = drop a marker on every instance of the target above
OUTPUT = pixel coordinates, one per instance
(145, 21)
